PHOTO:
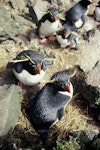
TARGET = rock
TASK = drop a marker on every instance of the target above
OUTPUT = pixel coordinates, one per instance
(93, 77)
(90, 87)
(90, 54)
(40, 8)
(17, 4)
(9, 108)
(8, 27)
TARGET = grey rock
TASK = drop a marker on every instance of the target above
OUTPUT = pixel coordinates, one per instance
(92, 86)
(18, 4)
(89, 85)
(9, 107)
(40, 8)
(8, 27)
(93, 77)
(90, 52)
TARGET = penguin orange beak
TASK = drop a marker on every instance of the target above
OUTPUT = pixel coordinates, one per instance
(38, 68)
(66, 35)
(55, 18)
(68, 87)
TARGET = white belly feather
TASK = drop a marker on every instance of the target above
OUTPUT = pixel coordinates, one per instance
(29, 79)
(63, 42)
(48, 28)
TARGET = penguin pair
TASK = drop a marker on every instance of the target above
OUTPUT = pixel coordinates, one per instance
(48, 105)
(97, 12)
(48, 25)
(29, 67)
(74, 19)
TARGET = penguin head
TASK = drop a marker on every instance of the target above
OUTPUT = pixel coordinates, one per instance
(33, 58)
(68, 28)
(62, 80)
(63, 33)
(86, 2)
(53, 12)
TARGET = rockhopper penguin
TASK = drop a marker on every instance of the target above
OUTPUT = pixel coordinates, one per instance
(48, 25)
(77, 13)
(48, 105)
(29, 67)
(65, 39)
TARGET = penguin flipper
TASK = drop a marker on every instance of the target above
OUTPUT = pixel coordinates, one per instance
(60, 113)
(76, 44)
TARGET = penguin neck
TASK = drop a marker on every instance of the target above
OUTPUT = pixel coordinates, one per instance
(66, 92)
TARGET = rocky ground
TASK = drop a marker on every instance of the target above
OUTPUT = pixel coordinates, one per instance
(79, 128)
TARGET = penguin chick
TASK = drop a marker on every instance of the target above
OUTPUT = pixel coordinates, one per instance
(65, 39)
(29, 67)
(48, 24)
(77, 13)
(97, 12)
(48, 105)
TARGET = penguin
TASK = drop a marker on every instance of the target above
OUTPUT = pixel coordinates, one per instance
(29, 67)
(65, 39)
(48, 25)
(97, 12)
(48, 105)
(77, 14)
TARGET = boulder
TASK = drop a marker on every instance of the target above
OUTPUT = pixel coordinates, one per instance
(90, 87)
(9, 107)
(9, 102)
(90, 54)
(8, 27)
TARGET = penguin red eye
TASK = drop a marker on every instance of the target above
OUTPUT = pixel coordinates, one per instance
(30, 63)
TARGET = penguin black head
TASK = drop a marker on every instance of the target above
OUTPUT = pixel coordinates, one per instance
(62, 32)
(62, 79)
(53, 13)
(33, 57)
(68, 28)
(85, 2)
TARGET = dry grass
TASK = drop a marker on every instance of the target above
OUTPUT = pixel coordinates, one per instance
(73, 120)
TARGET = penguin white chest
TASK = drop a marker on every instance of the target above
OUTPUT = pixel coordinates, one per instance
(48, 28)
(28, 79)
(97, 13)
(63, 42)
(68, 94)
(79, 23)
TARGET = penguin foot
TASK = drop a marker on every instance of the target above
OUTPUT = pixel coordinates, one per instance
(52, 38)
(20, 84)
(44, 41)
